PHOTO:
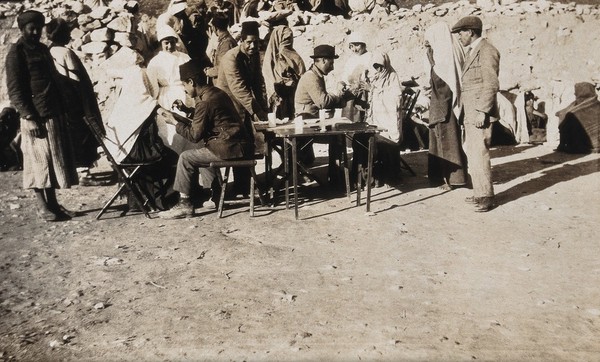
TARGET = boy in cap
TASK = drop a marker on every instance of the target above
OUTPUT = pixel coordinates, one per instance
(478, 97)
(218, 125)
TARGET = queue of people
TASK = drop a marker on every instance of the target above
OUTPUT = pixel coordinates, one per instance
(224, 89)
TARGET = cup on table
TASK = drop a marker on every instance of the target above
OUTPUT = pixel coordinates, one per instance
(337, 113)
(322, 114)
(272, 119)
(298, 124)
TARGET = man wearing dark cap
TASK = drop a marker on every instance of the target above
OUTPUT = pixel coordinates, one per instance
(478, 96)
(33, 91)
(225, 42)
(240, 76)
(216, 122)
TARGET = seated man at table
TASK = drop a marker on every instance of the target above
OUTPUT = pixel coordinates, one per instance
(311, 94)
(218, 124)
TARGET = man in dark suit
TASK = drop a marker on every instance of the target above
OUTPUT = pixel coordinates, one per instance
(478, 96)
(217, 123)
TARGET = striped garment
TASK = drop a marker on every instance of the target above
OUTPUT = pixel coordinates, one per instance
(48, 161)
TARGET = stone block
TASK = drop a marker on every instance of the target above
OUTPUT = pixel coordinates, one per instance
(94, 47)
(102, 34)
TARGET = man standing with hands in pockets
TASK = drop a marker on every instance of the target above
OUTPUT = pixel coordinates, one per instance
(478, 96)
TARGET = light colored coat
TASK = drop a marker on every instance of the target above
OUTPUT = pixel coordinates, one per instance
(480, 81)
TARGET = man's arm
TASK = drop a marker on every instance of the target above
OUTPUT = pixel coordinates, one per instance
(489, 60)
(319, 95)
(195, 131)
(17, 82)
(239, 88)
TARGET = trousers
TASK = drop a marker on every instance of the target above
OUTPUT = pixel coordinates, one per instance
(476, 146)
(192, 162)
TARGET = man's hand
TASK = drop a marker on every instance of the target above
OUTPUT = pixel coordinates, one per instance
(35, 128)
(481, 120)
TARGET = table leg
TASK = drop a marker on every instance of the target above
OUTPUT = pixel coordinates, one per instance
(370, 170)
(345, 164)
(269, 170)
(286, 171)
(295, 174)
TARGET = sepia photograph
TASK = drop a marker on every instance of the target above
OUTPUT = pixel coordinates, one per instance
(299, 180)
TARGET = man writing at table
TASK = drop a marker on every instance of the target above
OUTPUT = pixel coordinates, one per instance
(218, 124)
(311, 94)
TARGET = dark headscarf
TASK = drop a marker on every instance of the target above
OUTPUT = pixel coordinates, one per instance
(30, 16)
(583, 91)
(58, 31)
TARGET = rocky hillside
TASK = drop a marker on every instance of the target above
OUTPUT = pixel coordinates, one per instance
(544, 45)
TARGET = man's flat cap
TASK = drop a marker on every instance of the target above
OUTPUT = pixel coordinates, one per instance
(466, 23)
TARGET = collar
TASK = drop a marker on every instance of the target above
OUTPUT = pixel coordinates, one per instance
(201, 91)
(223, 36)
(317, 71)
(475, 43)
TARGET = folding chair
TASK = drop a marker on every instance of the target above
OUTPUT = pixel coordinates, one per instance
(408, 101)
(224, 179)
(127, 173)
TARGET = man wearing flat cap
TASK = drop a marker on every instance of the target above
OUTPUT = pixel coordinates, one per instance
(478, 97)
(219, 126)
(240, 76)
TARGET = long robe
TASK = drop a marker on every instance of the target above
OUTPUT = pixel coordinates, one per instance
(282, 69)
(77, 88)
(446, 157)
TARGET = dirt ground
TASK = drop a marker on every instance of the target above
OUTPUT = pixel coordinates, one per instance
(422, 277)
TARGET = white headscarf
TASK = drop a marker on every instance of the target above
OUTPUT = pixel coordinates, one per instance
(448, 57)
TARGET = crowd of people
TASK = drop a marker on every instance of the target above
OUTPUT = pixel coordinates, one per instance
(199, 97)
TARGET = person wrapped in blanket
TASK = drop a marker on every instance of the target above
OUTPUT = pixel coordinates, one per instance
(132, 134)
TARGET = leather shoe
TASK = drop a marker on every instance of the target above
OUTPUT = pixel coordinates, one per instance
(183, 209)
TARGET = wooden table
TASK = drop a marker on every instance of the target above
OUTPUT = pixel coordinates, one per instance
(324, 131)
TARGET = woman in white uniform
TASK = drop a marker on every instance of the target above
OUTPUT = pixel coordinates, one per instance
(163, 72)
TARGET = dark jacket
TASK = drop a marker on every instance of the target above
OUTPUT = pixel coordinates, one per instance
(241, 78)
(217, 123)
(31, 80)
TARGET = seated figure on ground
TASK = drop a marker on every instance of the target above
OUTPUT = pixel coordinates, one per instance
(579, 123)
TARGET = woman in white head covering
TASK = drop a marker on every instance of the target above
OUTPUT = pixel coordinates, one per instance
(355, 73)
(446, 167)
(163, 72)
(384, 105)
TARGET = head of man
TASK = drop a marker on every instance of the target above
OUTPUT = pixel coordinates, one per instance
(167, 38)
(324, 57)
(357, 43)
(250, 39)
(193, 77)
(31, 23)
(219, 23)
(469, 29)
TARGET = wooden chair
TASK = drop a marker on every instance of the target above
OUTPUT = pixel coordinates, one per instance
(408, 102)
(224, 179)
(127, 174)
